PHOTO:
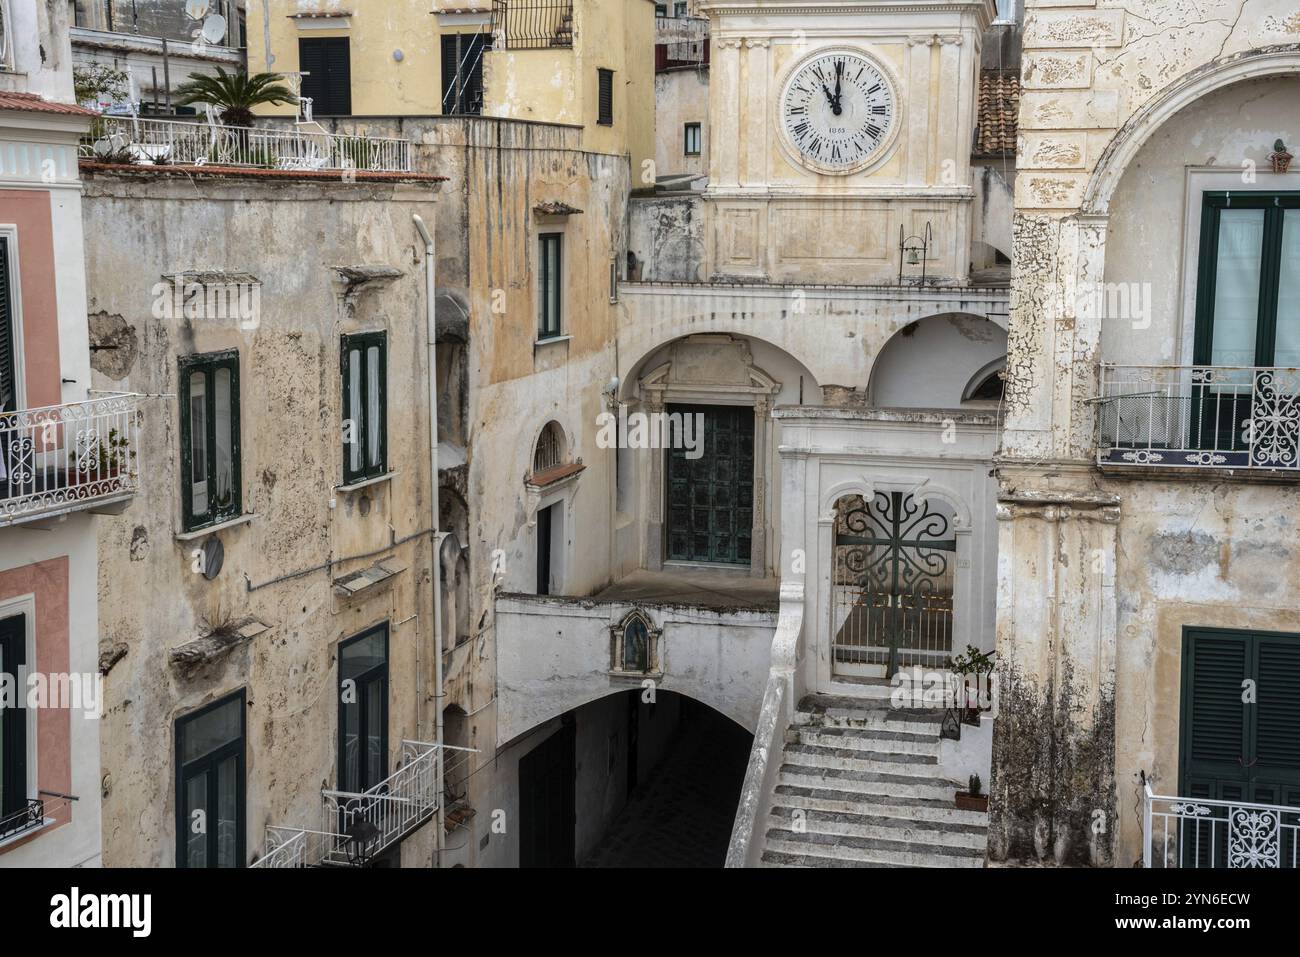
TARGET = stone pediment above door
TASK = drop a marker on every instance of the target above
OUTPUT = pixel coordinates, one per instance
(709, 363)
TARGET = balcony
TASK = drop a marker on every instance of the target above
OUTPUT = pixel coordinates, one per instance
(152, 142)
(1196, 832)
(533, 24)
(1199, 417)
(64, 458)
(354, 829)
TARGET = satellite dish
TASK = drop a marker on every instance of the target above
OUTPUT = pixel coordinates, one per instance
(214, 556)
(197, 9)
(214, 28)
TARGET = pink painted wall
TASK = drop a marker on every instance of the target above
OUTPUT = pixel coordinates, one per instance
(48, 581)
(29, 210)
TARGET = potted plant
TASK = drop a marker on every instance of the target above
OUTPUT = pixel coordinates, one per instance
(974, 667)
(111, 458)
(233, 95)
(1280, 157)
(973, 799)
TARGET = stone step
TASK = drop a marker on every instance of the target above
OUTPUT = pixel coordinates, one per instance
(872, 739)
(917, 720)
(912, 770)
(836, 756)
(922, 811)
(782, 859)
(882, 827)
(867, 850)
(868, 782)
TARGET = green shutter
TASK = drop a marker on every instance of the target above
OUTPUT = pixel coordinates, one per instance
(8, 380)
(1277, 725)
(1235, 749)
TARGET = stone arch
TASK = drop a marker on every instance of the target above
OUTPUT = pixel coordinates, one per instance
(924, 489)
(643, 367)
(721, 705)
(1124, 146)
(930, 362)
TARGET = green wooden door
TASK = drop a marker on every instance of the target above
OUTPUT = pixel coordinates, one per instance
(1240, 729)
(711, 498)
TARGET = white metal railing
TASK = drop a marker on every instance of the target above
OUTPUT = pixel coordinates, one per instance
(357, 827)
(59, 458)
(162, 142)
(1245, 417)
(1197, 832)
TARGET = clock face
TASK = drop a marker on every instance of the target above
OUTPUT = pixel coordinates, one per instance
(838, 110)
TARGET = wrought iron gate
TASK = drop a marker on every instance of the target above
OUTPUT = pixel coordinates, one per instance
(893, 584)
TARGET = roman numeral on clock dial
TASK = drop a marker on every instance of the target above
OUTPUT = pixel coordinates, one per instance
(837, 110)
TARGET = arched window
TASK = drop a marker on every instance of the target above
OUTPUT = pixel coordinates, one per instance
(549, 451)
(987, 384)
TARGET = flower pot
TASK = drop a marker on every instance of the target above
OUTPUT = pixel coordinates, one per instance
(1281, 161)
(971, 802)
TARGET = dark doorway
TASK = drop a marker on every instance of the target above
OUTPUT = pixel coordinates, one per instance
(711, 497)
(545, 526)
(681, 810)
(546, 800)
(633, 738)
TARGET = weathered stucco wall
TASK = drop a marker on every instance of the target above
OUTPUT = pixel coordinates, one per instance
(681, 97)
(1104, 159)
(555, 655)
(279, 566)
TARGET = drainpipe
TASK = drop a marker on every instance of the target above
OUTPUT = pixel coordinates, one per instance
(432, 337)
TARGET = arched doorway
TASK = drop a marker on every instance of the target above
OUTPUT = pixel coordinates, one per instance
(640, 778)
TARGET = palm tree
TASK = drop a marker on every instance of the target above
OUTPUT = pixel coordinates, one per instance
(235, 94)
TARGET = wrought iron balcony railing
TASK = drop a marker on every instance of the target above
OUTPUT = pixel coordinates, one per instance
(28, 818)
(1196, 832)
(356, 828)
(152, 142)
(532, 24)
(1235, 417)
(62, 458)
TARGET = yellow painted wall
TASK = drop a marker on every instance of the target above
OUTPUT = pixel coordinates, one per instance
(546, 86)
(381, 86)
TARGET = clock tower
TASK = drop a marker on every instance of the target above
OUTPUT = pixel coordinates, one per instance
(836, 125)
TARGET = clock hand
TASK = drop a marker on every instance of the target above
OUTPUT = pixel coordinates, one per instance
(839, 78)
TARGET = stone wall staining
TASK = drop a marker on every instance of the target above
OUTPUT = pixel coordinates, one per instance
(1091, 76)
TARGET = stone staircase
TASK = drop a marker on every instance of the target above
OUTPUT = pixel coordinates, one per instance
(859, 787)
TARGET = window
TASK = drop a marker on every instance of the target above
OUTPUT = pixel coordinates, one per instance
(210, 785)
(1006, 12)
(365, 406)
(661, 9)
(8, 334)
(210, 464)
(680, 8)
(1248, 297)
(549, 451)
(634, 645)
(327, 63)
(13, 728)
(462, 72)
(549, 284)
(363, 710)
(605, 97)
(692, 139)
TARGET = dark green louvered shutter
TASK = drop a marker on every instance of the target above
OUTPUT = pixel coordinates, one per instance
(7, 358)
(1234, 749)
(1215, 725)
(1277, 720)
(328, 60)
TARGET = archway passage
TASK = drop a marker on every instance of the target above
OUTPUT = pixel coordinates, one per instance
(628, 782)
